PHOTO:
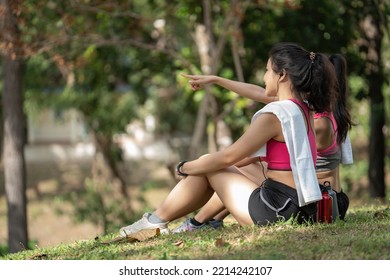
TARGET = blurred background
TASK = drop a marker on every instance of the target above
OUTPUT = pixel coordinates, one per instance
(96, 115)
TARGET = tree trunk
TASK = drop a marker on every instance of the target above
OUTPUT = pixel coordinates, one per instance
(14, 167)
(371, 28)
(13, 156)
(14, 130)
(210, 54)
(203, 43)
(377, 140)
(103, 145)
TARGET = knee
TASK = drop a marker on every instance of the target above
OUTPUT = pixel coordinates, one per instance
(203, 155)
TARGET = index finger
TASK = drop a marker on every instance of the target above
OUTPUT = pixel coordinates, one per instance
(188, 76)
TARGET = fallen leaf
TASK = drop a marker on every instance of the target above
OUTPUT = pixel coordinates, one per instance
(219, 242)
(179, 243)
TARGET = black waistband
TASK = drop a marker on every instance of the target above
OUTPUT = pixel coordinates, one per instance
(282, 188)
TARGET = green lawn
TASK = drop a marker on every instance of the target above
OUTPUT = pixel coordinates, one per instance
(364, 236)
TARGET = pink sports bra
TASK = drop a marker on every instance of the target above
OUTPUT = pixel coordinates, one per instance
(277, 156)
(334, 147)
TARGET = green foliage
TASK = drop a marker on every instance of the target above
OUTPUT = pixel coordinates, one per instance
(174, 108)
(103, 46)
(322, 25)
(42, 74)
(3, 250)
(32, 244)
(351, 175)
(98, 203)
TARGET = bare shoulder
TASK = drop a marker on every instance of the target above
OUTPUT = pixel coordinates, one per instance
(270, 125)
(324, 132)
(268, 117)
(323, 125)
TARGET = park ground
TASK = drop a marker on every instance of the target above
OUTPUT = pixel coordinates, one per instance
(51, 218)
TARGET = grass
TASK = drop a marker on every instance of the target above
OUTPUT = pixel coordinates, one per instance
(363, 236)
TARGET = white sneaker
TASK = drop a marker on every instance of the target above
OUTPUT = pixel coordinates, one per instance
(143, 229)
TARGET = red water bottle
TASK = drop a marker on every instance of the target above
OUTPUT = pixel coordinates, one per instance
(328, 208)
(324, 209)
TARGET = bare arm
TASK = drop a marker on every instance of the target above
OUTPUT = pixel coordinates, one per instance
(246, 145)
(247, 161)
(251, 91)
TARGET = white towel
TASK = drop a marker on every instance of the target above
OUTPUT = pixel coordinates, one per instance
(298, 146)
(346, 151)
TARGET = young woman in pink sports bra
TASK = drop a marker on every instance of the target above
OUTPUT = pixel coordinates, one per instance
(292, 73)
(330, 133)
(278, 157)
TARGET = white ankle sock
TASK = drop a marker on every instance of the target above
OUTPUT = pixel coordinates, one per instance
(154, 219)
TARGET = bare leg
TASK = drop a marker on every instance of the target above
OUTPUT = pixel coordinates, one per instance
(188, 195)
(221, 215)
(214, 208)
(234, 191)
(192, 193)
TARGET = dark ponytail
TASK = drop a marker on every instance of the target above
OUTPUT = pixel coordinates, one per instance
(311, 74)
(340, 111)
(323, 88)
